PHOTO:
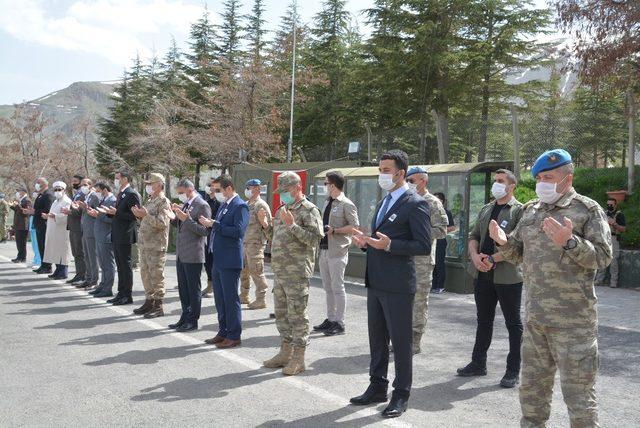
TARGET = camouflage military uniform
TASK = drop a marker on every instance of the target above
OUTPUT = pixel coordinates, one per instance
(293, 256)
(154, 235)
(255, 239)
(424, 269)
(560, 307)
(4, 212)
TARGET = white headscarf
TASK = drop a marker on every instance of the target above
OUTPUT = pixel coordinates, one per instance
(60, 184)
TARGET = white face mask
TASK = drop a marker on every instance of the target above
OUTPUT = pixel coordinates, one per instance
(248, 193)
(220, 197)
(85, 190)
(116, 183)
(385, 181)
(59, 194)
(413, 186)
(548, 192)
(148, 189)
(18, 196)
(498, 190)
(37, 187)
(183, 197)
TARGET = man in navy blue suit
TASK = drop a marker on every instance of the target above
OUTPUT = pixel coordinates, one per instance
(227, 246)
(400, 229)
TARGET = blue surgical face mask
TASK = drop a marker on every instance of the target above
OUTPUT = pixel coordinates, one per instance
(286, 198)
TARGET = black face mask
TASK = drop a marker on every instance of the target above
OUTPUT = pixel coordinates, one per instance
(611, 207)
(76, 186)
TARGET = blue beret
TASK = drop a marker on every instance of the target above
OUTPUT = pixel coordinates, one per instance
(253, 182)
(551, 159)
(1, 195)
(416, 170)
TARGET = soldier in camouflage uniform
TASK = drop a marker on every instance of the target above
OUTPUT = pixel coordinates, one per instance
(418, 179)
(155, 219)
(562, 239)
(255, 240)
(4, 212)
(295, 235)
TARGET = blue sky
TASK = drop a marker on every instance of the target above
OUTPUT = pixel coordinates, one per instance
(47, 45)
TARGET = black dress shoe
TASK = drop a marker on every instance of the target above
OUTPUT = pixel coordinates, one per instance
(125, 300)
(187, 326)
(104, 294)
(373, 394)
(176, 325)
(323, 326)
(472, 369)
(74, 279)
(397, 406)
(44, 271)
(16, 260)
(117, 297)
(95, 291)
(335, 329)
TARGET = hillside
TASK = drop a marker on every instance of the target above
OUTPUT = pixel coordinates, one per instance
(71, 105)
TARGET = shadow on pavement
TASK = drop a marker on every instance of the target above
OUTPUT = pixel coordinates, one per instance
(151, 356)
(57, 310)
(329, 419)
(348, 365)
(213, 387)
(441, 396)
(85, 323)
(115, 338)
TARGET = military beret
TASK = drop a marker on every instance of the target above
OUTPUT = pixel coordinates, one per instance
(551, 159)
(1, 195)
(286, 180)
(253, 182)
(416, 170)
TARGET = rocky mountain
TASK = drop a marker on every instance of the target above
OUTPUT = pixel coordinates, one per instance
(72, 105)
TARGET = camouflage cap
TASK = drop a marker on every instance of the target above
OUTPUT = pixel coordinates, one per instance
(286, 180)
(154, 177)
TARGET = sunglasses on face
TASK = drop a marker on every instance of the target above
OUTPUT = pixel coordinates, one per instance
(410, 180)
(58, 190)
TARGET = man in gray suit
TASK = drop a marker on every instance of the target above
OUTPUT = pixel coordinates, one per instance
(102, 238)
(190, 252)
(75, 231)
(91, 200)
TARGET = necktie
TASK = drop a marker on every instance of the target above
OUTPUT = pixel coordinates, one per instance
(221, 211)
(383, 210)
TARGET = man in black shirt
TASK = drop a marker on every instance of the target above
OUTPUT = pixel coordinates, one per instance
(496, 280)
(618, 225)
(439, 270)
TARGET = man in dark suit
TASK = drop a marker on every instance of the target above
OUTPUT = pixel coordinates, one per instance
(21, 223)
(208, 257)
(123, 235)
(74, 226)
(41, 206)
(227, 247)
(190, 244)
(400, 229)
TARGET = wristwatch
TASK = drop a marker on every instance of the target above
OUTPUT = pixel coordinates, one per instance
(571, 244)
(493, 262)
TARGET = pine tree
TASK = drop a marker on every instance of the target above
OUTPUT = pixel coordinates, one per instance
(256, 32)
(230, 32)
(203, 67)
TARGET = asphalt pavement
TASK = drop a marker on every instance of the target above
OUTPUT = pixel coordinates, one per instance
(72, 360)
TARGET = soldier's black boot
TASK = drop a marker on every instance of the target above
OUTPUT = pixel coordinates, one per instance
(510, 379)
(156, 309)
(146, 307)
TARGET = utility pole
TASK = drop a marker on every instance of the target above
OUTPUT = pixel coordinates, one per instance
(516, 140)
(293, 83)
(368, 128)
(631, 103)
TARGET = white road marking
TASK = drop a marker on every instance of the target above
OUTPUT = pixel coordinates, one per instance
(233, 357)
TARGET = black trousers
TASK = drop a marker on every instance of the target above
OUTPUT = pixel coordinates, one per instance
(439, 270)
(122, 255)
(41, 236)
(75, 241)
(390, 316)
(208, 262)
(487, 295)
(189, 290)
(21, 244)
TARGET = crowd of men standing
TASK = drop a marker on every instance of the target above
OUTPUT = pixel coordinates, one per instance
(553, 245)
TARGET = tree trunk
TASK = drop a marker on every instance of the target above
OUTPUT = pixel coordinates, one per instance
(484, 121)
(631, 100)
(196, 178)
(442, 131)
(423, 137)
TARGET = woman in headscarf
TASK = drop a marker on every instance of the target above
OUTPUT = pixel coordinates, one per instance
(56, 247)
